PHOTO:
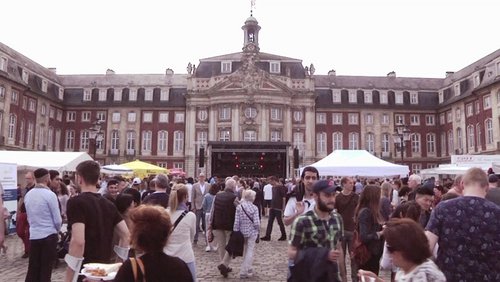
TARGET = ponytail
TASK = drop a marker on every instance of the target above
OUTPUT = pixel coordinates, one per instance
(178, 194)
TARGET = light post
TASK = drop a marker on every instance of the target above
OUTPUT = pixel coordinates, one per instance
(401, 136)
(96, 135)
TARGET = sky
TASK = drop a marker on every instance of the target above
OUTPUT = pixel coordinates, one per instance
(414, 38)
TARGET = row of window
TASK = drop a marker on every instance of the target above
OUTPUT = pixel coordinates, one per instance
(276, 114)
(132, 94)
(227, 67)
(474, 137)
(131, 116)
(353, 143)
(130, 141)
(353, 118)
(368, 96)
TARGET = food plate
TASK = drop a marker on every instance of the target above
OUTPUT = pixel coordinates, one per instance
(109, 270)
(89, 275)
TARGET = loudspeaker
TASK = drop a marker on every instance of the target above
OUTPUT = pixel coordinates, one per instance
(201, 157)
(295, 158)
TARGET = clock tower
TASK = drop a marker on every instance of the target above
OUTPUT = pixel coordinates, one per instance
(251, 35)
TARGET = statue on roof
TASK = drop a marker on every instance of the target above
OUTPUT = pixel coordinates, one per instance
(306, 71)
(189, 68)
(312, 69)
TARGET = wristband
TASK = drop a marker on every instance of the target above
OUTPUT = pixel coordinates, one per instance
(73, 262)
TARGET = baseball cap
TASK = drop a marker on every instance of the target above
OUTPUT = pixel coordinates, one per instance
(136, 181)
(492, 178)
(323, 186)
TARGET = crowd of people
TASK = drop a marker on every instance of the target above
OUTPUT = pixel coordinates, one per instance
(428, 230)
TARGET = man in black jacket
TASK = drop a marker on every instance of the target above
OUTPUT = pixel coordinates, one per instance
(221, 222)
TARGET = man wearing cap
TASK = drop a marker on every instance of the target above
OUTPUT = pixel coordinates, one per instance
(159, 196)
(315, 243)
(44, 217)
(200, 189)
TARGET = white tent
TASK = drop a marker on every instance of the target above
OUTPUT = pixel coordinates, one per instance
(451, 169)
(116, 169)
(60, 161)
(357, 162)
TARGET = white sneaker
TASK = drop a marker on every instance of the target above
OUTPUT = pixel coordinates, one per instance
(207, 249)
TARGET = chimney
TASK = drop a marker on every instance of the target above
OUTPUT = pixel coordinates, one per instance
(332, 73)
(449, 73)
(169, 71)
(54, 70)
(110, 71)
(391, 74)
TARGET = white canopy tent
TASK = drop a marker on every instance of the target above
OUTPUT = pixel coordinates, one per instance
(357, 162)
(451, 169)
(60, 161)
(116, 169)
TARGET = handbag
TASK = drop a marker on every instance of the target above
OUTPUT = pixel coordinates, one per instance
(360, 252)
(251, 219)
(236, 244)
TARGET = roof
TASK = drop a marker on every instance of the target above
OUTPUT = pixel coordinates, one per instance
(25, 62)
(123, 80)
(468, 70)
(378, 82)
(238, 57)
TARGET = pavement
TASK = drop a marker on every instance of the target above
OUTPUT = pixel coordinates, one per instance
(270, 261)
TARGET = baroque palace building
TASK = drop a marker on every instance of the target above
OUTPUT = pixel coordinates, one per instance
(245, 113)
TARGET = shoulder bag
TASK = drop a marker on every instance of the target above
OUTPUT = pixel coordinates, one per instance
(138, 262)
(251, 219)
(179, 219)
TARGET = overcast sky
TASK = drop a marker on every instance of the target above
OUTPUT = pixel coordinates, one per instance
(416, 38)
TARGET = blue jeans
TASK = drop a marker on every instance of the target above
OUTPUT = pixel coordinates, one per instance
(192, 268)
(199, 217)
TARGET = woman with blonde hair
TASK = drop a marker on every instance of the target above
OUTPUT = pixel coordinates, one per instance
(150, 231)
(247, 221)
(369, 223)
(385, 200)
(184, 227)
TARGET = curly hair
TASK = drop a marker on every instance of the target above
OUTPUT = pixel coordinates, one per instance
(151, 227)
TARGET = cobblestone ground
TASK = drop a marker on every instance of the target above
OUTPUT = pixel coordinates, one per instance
(270, 263)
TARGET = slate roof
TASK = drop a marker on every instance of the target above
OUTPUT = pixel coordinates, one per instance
(262, 56)
(378, 82)
(468, 70)
(123, 80)
(27, 63)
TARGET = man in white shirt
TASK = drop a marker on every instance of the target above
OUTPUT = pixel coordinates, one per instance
(301, 201)
(268, 196)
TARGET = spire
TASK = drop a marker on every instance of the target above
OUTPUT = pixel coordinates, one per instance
(251, 32)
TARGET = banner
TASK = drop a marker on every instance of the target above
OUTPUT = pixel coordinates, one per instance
(8, 178)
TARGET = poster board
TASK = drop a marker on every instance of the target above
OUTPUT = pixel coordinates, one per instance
(8, 178)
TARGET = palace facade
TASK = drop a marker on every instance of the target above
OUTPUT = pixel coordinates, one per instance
(249, 113)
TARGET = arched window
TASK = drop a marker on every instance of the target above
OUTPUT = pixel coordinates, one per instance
(162, 141)
(84, 139)
(353, 141)
(178, 141)
(385, 142)
(147, 137)
(415, 143)
(451, 144)
(488, 125)
(337, 140)
(115, 139)
(460, 143)
(12, 127)
(470, 137)
(370, 142)
(321, 143)
(431, 143)
(70, 139)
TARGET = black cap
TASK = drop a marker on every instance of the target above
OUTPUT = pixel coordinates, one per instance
(323, 186)
(492, 178)
(41, 172)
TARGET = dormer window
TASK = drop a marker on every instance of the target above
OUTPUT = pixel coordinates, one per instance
(132, 95)
(102, 94)
(45, 83)
(87, 95)
(441, 97)
(476, 80)
(148, 95)
(61, 94)
(225, 67)
(117, 95)
(164, 95)
(457, 89)
(25, 76)
(274, 67)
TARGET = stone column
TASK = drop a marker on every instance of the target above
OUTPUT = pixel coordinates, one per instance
(189, 140)
(235, 123)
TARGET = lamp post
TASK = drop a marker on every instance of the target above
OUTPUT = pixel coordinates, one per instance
(96, 135)
(401, 136)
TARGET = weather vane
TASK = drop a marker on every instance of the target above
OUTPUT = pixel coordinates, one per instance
(252, 6)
